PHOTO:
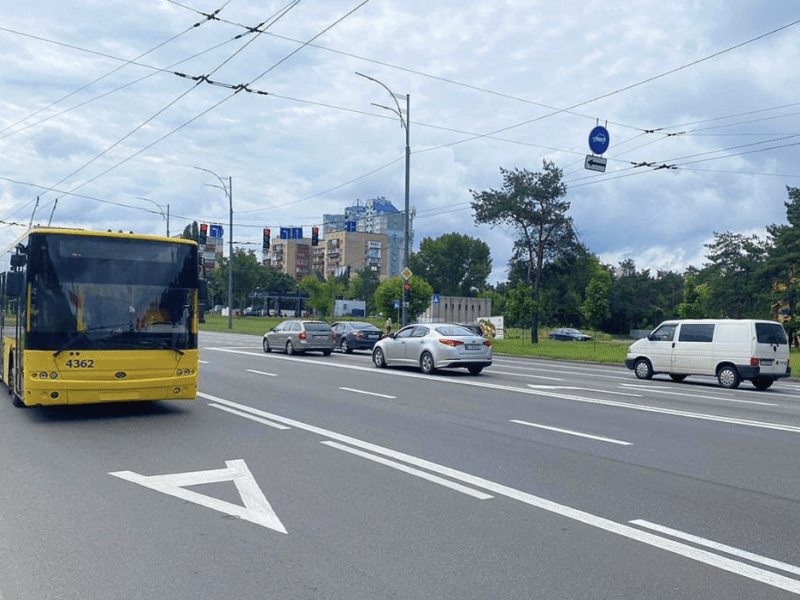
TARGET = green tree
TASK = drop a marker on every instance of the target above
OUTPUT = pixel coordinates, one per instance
(533, 204)
(248, 274)
(519, 304)
(392, 289)
(783, 263)
(191, 232)
(597, 306)
(692, 305)
(322, 294)
(454, 264)
(362, 286)
(734, 277)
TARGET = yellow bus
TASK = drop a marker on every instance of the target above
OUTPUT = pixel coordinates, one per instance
(92, 317)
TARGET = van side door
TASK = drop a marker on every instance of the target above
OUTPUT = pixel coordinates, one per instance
(659, 347)
(692, 352)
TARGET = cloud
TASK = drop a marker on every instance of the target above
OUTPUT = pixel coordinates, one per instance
(502, 84)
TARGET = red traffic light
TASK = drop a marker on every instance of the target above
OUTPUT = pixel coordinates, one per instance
(266, 232)
(204, 227)
(407, 286)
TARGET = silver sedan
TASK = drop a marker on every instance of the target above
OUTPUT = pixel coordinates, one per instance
(434, 346)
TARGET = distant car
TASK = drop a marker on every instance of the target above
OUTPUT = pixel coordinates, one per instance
(355, 335)
(297, 336)
(569, 335)
(434, 346)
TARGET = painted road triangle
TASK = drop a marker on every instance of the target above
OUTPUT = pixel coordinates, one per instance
(256, 508)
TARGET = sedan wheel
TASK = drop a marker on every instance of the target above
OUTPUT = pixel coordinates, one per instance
(265, 344)
(346, 347)
(475, 370)
(426, 363)
(378, 359)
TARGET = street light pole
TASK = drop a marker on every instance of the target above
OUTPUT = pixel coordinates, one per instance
(161, 210)
(405, 123)
(228, 192)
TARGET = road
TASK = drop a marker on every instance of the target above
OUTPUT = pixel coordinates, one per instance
(324, 477)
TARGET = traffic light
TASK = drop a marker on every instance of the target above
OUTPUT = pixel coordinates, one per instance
(266, 239)
(203, 233)
(407, 292)
(315, 236)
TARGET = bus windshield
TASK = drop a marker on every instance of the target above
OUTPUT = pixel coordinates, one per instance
(91, 292)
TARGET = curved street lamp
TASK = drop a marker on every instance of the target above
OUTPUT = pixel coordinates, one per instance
(404, 122)
(228, 192)
(161, 210)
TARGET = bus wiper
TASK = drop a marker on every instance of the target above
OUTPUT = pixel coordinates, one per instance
(74, 336)
(169, 345)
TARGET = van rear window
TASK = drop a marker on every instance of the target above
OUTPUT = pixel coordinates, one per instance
(696, 333)
(771, 333)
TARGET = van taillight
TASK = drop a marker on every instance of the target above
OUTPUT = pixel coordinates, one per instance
(754, 362)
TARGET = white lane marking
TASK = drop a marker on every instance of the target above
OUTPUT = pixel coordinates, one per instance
(576, 433)
(355, 391)
(565, 387)
(527, 375)
(262, 373)
(673, 393)
(202, 362)
(412, 471)
(702, 556)
(251, 417)
(256, 508)
(549, 394)
(769, 562)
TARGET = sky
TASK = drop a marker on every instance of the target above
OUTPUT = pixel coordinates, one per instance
(114, 113)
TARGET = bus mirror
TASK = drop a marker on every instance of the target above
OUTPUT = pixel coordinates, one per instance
(15, 283)
(202, 291)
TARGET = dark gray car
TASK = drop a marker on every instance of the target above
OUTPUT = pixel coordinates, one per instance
(355, 335)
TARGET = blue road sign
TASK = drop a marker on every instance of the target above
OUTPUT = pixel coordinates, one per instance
(291, 233)
(215, 231)
(436, 298)
(599, 139)
(397, 304)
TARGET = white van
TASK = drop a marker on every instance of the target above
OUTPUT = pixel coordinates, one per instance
(728, 349)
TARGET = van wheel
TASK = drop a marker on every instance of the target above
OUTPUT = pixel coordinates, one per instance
(643, 369)
(677, 378)
(762, 383)
(728, 377)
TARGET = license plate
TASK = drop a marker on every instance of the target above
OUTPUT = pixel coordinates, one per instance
(472, 346)
(767, 362)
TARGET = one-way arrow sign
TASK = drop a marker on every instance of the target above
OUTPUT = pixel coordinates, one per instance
(595, 163)
(256, 508)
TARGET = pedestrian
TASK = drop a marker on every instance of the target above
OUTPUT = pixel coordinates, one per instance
(388, 325)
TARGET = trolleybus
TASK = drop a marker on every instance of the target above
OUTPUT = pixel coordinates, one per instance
(93, 317)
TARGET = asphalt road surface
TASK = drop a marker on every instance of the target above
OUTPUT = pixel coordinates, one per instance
(314, 477)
